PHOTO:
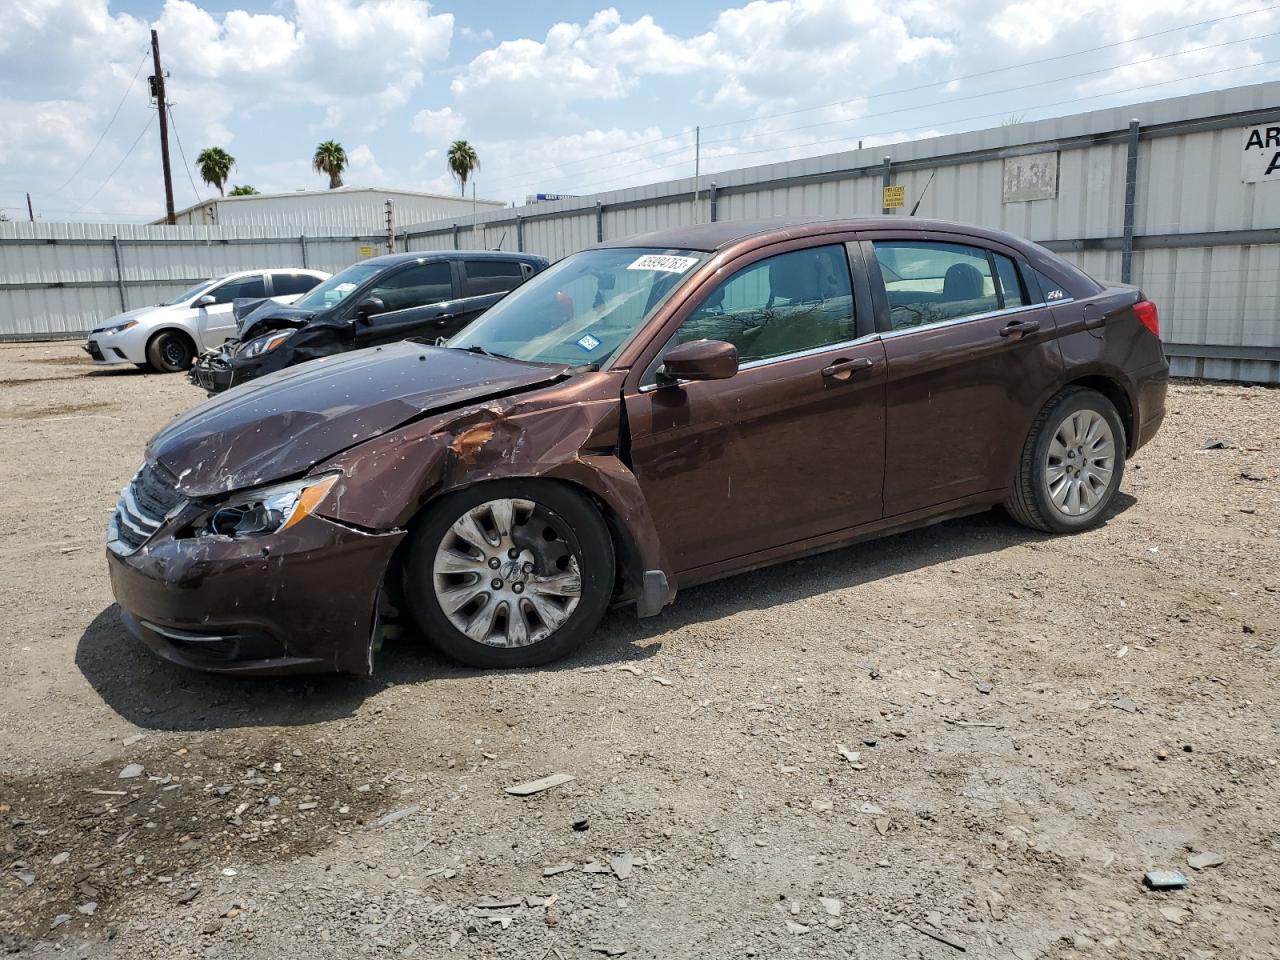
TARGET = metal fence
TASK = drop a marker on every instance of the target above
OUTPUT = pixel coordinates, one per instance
(59, 280)
(1160, 201)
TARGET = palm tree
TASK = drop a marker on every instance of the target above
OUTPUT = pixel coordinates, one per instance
(330, 159)
(243, 191)
(215, 166)
(463, 162)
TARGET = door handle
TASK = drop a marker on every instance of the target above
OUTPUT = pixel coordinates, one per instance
(846, 369)
(1020, 328)
(442, 319)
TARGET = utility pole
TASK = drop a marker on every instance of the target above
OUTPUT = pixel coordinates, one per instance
(697, 167)
(157, 93)
(30, 212)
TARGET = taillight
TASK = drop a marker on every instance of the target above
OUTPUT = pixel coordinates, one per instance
(1149, 315)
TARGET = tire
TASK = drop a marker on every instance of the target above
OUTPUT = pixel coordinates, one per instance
(1043, 497)
(170, 351)
(533, 618)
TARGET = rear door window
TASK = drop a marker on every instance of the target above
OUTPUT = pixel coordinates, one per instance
(245, 287)
(490, 276)
(928, 282)
(1011, 290)
(291, 284)
(417, 286)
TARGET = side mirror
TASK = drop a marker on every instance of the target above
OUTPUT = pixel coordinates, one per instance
(369, 306)
(208, 300)
(699, 360)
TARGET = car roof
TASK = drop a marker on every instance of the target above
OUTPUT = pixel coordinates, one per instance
(422, 256)
(711, 237)
(249, 273)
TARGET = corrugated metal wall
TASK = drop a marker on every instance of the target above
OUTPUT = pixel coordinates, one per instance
(1202, 243)
(1205, 245)
(325, 213)
(61, 279)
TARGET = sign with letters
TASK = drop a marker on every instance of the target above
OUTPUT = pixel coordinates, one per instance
(895, 196)
(1261, 158)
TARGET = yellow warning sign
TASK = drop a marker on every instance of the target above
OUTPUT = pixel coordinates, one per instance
(366, 250)
(894, 196)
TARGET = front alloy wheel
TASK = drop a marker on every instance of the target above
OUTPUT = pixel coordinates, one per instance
(507, 574)
(510, 574)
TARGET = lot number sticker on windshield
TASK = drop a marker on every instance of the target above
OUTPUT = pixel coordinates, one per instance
(588, 342)
(663, 263)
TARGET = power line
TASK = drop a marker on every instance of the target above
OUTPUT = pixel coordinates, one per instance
(1012, 66)
(127, 91)
(908, 109)
(1023, 86)
(150, 120)
(947, 123)
(889, 93)
(182, 153)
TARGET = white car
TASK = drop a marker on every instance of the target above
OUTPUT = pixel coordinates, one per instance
(166, 338)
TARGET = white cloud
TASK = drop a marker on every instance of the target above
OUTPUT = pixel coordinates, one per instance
(441, 126)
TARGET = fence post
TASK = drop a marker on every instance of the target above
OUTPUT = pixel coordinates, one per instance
(519, 233)
(885, 181)
(455, 236)
(599, 222)
(302, 242)
(712, 196)
(1130, 202)
(124, 303)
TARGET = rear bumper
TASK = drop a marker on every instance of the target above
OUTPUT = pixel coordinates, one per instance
(1152, 386)
(302, 601)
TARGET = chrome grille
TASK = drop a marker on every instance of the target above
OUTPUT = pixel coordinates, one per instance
(144, 504)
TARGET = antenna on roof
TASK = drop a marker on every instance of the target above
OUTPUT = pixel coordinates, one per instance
(920, 199)
(501, 240)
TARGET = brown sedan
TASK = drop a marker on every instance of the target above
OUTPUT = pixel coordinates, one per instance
(644, 415)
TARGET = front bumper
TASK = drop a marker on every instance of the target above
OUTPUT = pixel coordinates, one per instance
(302, 601)
(213, 371)
(103, 352)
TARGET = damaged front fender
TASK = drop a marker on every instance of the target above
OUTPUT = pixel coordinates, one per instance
(571, 432)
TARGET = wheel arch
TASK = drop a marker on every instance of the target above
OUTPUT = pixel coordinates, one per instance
(628, 561)
(1113, 390)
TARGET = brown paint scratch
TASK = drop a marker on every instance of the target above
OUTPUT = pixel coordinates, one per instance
(468, 444)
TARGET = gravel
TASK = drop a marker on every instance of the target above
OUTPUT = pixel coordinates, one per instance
(1013, 802)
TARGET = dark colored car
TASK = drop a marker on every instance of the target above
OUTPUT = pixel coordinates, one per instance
(376, 301)
(644, 415)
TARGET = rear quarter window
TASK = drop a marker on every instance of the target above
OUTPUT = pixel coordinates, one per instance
(490, 276)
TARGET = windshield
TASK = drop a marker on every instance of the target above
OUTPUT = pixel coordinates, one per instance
(583, 309)
(194, 292)
(338, 287)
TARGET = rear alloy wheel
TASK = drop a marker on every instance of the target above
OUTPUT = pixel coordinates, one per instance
(510, 574)
(1072, 463)
(170, 352)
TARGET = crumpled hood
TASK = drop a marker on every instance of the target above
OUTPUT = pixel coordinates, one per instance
(251, 313)
(287, 422)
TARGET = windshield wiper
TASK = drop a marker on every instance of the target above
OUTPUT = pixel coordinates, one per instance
(476, 348)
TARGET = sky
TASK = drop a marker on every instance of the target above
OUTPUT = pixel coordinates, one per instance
(565, 97)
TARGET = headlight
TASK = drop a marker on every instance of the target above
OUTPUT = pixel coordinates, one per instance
(257, 347)
(267, 510)
(119, 327)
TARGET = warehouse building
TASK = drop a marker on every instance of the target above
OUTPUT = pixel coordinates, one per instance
(346, 210)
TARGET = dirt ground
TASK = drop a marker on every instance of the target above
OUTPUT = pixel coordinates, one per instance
(968, 738)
